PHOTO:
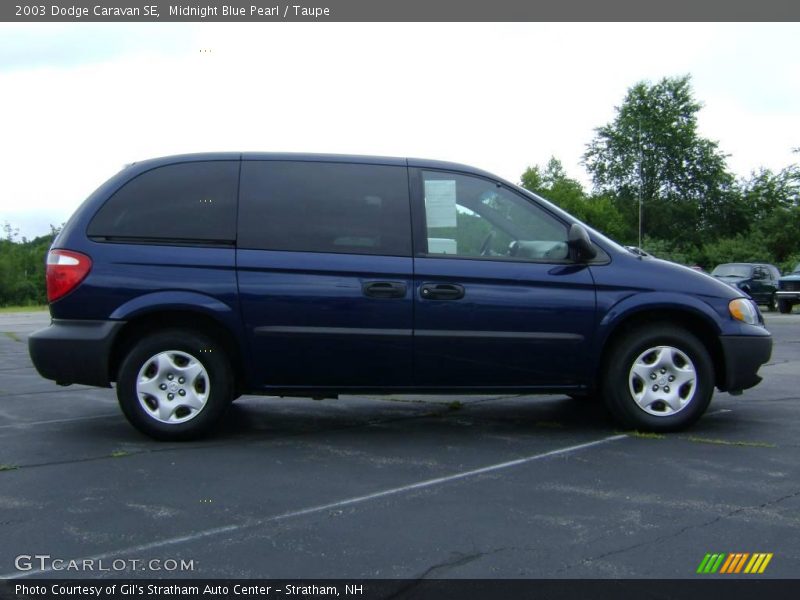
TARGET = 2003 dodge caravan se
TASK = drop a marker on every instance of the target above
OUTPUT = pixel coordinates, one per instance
(190, 280)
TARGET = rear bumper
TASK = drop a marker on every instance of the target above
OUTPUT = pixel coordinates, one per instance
(788, 296)
(74, 351)
(744, 355)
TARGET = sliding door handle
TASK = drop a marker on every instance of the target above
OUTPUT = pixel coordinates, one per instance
(441, 291)
(384, 289)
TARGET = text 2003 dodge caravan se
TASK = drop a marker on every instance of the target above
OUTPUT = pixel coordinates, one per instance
(190, 280)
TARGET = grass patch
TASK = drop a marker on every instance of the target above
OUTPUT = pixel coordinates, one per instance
(455, 405)
(119, 453)
(718, 442)
(406, 400)
(646, 435)
(18, 309)
(8, 468)
(12, 336)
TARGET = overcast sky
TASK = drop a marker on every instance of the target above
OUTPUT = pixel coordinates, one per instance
(78, 101)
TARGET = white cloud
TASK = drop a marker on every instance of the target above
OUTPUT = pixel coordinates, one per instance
(498, 96)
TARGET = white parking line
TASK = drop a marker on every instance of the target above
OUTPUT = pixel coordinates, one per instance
(26, 423)
(718, 412)
(316, 509)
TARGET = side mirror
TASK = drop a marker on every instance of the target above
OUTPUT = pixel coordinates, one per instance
(582, 247)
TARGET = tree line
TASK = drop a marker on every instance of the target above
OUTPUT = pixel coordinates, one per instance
(22, 267)
(693, 209)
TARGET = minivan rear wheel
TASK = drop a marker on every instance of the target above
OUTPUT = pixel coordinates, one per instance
(658, 378)
(175, 385)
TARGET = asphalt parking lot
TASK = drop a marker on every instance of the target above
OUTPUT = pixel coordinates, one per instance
(398, 487)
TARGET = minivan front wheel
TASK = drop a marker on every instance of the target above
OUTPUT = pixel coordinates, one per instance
(658, 378)
(174, 385)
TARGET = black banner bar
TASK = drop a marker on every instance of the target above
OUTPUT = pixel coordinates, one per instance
(702, 588)
(398, 10)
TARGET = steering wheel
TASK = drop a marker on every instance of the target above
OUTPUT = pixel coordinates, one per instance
(487, 242)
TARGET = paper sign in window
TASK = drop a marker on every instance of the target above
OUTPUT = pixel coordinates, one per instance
(440, 202)
(442, 246)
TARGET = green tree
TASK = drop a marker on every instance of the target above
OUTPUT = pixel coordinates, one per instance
(652, 148)
(766, 191)
(670, 251)
(780, 232)
(22, 267)
(551, 182)
(772, 201)
(740, 248)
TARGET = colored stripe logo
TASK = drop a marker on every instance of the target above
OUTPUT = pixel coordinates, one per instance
(736, 562)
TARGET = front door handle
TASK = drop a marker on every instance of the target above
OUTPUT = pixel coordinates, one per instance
(384, 289)
(441, 291)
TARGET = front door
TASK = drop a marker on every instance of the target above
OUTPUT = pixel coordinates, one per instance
(498, 302)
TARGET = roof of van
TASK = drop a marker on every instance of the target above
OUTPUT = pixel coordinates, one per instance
(311, 157)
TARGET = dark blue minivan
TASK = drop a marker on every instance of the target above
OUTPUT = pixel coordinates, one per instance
(190, 280)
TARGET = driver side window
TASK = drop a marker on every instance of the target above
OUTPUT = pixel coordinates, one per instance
(473, 217)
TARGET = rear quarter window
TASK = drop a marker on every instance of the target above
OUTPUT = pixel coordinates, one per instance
(185, 202)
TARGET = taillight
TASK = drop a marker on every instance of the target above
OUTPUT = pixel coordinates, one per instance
(65, 270)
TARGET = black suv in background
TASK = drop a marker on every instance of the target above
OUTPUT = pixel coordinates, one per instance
(757, 280)
(789, 290)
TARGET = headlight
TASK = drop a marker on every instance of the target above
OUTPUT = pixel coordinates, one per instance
(743, 310)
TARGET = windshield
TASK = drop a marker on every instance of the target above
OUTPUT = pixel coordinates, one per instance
(796, 268)
(731, 271)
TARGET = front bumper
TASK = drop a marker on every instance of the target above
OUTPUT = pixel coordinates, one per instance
(744, 355)
(788, 296)
(70, 351)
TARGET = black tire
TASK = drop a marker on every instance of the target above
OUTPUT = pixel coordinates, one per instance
(215, 384)
(772, 305)
(619, 380)
(784, 307)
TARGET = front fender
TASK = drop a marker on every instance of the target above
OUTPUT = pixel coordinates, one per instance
(655, 301)
(620, 309)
